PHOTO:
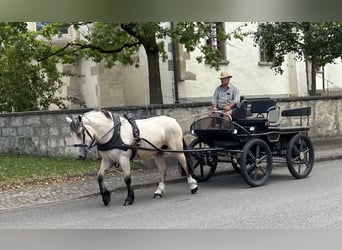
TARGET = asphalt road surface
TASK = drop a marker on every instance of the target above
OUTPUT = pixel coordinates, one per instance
(224, 202)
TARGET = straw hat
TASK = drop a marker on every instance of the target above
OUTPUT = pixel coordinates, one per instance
(225, 74)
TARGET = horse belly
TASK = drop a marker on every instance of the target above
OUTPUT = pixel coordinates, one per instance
(144, 154)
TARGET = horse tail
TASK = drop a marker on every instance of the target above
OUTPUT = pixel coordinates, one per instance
(185, 145)
(187, 159)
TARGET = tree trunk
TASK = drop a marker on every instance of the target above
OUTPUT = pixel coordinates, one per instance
(313, 75)
(156, 95)
(148, 39)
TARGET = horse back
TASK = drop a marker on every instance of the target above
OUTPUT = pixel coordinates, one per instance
(159, 130)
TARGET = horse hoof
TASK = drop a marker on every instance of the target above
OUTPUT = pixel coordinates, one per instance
(106, 198)
(157, 196)
(194, 191)
(128, 202)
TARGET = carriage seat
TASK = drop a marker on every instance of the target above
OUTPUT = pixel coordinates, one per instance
(301, 113)
(260, 112)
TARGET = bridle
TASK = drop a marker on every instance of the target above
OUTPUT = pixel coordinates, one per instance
(85, 131)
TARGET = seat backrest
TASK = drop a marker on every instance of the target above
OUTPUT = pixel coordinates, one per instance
(306, 111)
(241, 111)
(273, 116)
(259, 106)
(299, 112)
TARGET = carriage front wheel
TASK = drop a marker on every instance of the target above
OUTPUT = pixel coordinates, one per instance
(202, 164)
(256, 162)
(300, 156)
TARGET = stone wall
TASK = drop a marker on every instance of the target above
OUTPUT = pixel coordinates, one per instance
(47, 132)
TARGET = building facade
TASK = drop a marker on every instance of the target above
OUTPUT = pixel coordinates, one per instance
(122, 85)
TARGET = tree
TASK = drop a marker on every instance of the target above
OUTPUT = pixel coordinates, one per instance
(319, 43)
(25, 82)
(117, 42)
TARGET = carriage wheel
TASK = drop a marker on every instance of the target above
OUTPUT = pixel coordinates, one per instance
(202, 165)
(256, 162)
(300, 156)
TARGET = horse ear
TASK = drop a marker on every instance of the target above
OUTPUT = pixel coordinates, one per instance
(68, 119)
(79, 118)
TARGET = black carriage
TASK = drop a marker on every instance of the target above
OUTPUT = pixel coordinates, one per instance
(252, 140)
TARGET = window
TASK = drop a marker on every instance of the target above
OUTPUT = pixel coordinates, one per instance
(40, 25)
(214, 39)
(262, 55)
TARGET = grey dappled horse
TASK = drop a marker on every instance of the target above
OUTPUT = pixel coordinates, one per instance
(114, 136)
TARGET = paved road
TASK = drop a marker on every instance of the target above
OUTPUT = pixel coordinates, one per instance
(223, 202)
(324, 150)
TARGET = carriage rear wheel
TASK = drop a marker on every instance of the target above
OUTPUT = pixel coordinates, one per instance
(256, 162)
(202, 165)
(300, 156)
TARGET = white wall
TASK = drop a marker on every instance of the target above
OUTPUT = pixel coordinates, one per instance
(251, 78)
(89, 87)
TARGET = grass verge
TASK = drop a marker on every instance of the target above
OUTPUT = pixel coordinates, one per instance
(19, 169)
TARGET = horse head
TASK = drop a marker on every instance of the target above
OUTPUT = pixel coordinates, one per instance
(93, 126)
(79, 135)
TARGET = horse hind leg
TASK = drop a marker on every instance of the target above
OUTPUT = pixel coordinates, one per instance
(191, 181)
(159, 160)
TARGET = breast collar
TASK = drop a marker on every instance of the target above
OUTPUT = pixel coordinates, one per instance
(116, 142)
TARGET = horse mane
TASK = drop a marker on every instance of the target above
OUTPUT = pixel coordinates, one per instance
(107, 114)
(74, 125)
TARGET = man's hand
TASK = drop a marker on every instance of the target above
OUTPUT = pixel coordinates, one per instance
(227, 108)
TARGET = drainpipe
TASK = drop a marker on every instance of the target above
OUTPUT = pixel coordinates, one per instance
(175, 66)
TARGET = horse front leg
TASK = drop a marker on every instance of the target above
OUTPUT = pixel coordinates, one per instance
(103, 190)
(126, 168)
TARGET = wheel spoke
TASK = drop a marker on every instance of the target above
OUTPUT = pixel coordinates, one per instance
(257, 152)
(250, 154)
(263, 170)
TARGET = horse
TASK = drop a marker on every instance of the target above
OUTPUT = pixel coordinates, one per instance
(118, 143)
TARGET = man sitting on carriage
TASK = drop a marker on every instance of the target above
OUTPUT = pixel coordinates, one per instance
(226, 96)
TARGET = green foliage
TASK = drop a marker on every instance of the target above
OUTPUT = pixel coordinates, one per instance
(193, 35)
(26, 82)
(320, 42)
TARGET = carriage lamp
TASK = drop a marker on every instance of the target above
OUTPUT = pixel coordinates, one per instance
(252, 129)
(235, 131)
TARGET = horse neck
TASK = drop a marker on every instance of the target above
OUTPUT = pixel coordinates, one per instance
(100, 128)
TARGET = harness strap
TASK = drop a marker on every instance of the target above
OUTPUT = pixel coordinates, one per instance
(129, 116)
(116, 143)
(136, 133)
